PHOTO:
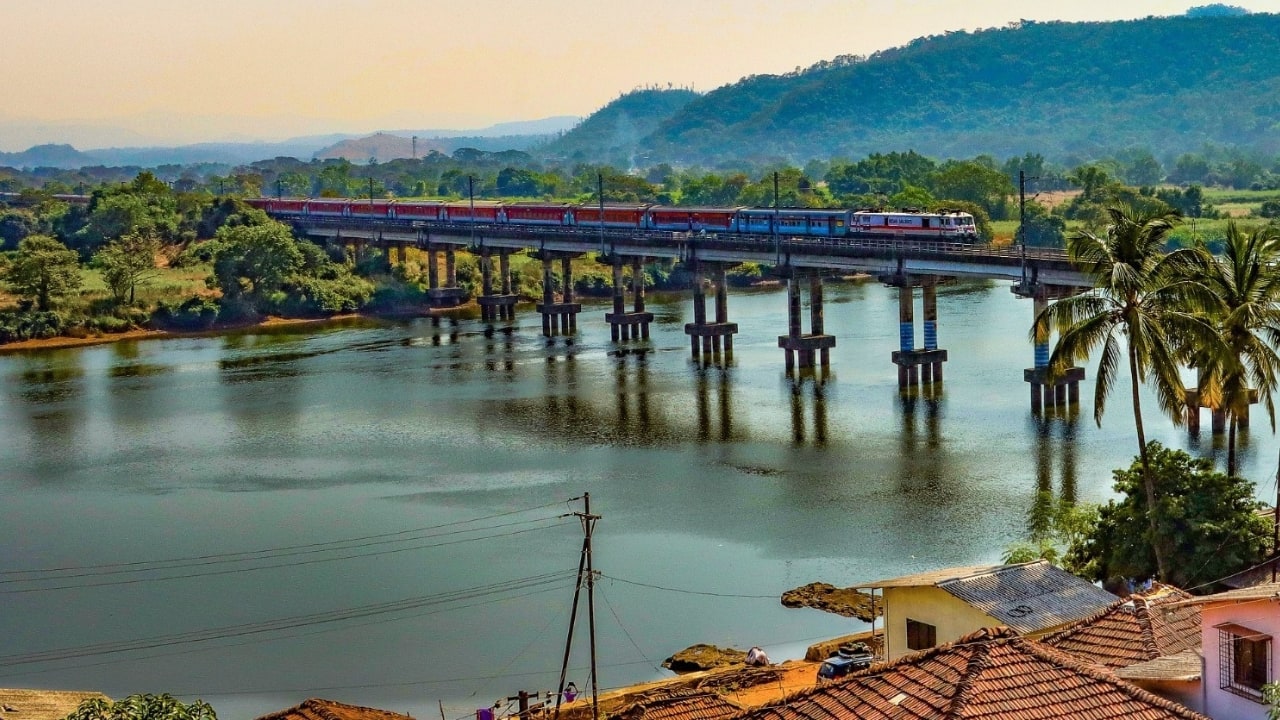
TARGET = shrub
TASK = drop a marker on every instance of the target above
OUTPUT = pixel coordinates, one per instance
(195, 313)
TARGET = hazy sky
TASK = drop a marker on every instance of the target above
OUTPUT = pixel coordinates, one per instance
(188, 70)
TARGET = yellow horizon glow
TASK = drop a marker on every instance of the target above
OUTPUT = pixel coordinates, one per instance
(190, 71)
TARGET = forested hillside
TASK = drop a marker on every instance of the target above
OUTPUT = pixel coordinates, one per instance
(1070, 91)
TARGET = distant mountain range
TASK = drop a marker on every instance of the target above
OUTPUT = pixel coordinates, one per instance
(503, 136)
(1070, 91)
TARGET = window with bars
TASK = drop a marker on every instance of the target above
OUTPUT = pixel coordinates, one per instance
(1244, 660)
(920, 636)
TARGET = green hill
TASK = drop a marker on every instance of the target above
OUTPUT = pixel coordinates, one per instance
(1065, 90)
(616, 130)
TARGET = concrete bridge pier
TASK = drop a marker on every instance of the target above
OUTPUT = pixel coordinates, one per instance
(625, 325)
(813, 349)
(708, 339)
(1218, 416)
(448, 295)
(496, 305)
(1048, 391)
(917, 365)
(557, 317)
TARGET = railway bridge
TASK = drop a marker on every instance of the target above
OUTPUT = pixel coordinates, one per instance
(1040, 274)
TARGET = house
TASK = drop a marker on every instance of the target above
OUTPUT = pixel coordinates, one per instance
(319, 709)
(993, 674)
(1237, 631)
(1035, 598)
(678, 705)
(1150, 639)
(43, 704)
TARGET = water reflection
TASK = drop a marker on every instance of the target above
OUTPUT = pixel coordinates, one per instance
(717, 424)
(1054, 436)
(500, 340)
(811, 390)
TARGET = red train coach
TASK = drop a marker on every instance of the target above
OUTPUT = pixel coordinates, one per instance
(615, 216)
(328, 207)
(530, 213)
(691, 219)
(371, 208)
(486, 211)
(418, 210)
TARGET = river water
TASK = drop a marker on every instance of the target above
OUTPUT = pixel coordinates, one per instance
(444, 456)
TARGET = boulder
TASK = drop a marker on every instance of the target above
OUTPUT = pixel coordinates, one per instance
(829, 598)
(703, 657)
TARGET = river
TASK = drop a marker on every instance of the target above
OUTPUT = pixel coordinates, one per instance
(445, 456)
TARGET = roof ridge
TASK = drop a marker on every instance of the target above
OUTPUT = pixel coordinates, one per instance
(979, 661)
(1081, 624)
(1053, 655)
(1146, 626)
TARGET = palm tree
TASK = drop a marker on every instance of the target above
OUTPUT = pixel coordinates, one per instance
(1145, 295)
(1247, 285)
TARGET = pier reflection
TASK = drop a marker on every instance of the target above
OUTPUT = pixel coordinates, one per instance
(809, 392)
(718, 424)
(1055, 452)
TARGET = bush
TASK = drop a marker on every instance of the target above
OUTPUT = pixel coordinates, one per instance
(31, 324)
(195, 313)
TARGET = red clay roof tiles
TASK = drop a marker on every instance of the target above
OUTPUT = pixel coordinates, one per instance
(993, 674)
(320, 709)
(1139, 628)
(679, 706)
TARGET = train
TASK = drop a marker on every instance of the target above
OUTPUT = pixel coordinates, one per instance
(944, 225)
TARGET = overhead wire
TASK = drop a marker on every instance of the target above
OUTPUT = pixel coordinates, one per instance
(626, 632)
(279, 624)
(233, 571)
(689, 592)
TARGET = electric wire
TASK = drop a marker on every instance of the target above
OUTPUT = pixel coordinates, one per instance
(626, 632)
(282, 548)
(337, 545)
(314, 561)
(287, 623)
(688, 592)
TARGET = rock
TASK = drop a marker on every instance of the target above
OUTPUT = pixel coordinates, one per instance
(829, 598)
(703, 657)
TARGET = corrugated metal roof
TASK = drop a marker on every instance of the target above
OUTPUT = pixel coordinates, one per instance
(933, 577)
(1031, 596)
(992, 674)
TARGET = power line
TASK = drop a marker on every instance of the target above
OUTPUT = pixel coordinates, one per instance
(315, 561)
(279, 624)
(271, 552)
(688, 591)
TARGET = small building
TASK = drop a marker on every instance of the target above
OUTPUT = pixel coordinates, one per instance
(1034, 598)
(320, 709)
(992, 674)
(1151, 639)
(43, 704)
(678, 705)
(1237, 631)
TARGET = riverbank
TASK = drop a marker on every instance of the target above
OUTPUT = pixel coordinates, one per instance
(66, 341)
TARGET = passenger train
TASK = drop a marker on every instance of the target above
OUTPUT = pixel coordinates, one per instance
(792, 222)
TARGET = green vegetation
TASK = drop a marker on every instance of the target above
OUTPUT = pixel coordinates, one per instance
(1205, 525)
(143, 707)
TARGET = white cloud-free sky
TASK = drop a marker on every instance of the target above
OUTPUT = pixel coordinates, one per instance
(187, 70)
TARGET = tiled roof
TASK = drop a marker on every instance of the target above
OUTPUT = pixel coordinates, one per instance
(1265, 591)
(1026, 597)
(679, 706)
(319, 709)
(1139, 628)
(1185, 666)
(993, 674)
(42, 704)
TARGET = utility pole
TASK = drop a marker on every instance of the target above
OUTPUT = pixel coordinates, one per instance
(1022, 220)
(777, 242)
(600, 196)
(370, 194)
(279, 189)
(415, 147)
(471, 198)
(585, 570)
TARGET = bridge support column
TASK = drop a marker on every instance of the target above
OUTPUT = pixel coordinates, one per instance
(402, 254)
(1047, 390)
(799, 349)
(625, 325)
(916, 365)
(557, 317)
(448, 295)
(1218, 416)
(707, 339)
(493, 305)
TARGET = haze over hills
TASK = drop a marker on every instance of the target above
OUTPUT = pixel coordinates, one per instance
(517, 135)
(1065, 90)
